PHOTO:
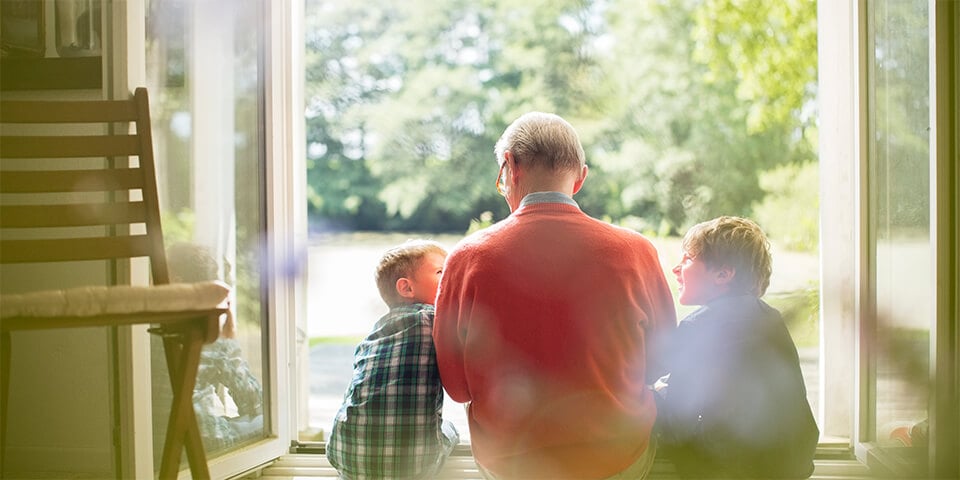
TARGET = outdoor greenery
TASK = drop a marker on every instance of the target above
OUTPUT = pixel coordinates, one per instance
(687, 109)
(800, 310)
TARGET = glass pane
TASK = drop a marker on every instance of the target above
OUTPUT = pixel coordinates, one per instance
(209, 151)
(899, 213)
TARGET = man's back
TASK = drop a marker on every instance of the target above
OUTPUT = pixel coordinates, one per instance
(545, 324)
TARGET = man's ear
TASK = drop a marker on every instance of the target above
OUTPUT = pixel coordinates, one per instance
(404, 288)
(514, 172)
(579, 183)
(724, 275)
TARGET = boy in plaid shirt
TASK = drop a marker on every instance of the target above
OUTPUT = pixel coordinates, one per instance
(390, 423)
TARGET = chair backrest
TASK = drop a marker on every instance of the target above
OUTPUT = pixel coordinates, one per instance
(70, 188)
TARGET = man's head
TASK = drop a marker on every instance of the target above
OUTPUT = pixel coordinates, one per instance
(726, 255)
(539, 152)
(410, 272)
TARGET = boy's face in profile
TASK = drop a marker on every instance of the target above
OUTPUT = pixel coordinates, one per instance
(699, 284)
(422, 284)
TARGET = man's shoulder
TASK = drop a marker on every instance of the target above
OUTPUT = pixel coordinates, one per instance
(477, 244)
(632, 238)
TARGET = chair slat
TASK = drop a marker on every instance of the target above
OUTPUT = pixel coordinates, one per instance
(74, 249)
(72, 215)
(20, 111)
(68, 146)
(49, 181)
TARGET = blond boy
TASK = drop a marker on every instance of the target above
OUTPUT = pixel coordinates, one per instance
(390, 424)
(735, 403)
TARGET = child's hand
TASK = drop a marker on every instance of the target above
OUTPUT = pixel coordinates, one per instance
(660, 386)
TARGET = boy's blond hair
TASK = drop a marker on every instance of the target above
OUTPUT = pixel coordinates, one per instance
(400, 262)
(735, 242)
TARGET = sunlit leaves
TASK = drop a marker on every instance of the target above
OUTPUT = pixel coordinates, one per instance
(679, 103)
(769, 47)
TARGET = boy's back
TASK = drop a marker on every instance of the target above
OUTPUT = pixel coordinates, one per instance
(389, 423)
(736, 404)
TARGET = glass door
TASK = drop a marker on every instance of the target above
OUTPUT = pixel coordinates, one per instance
(210, 69)
(897, 322)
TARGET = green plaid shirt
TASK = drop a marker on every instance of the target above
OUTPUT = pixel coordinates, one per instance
(389, 425)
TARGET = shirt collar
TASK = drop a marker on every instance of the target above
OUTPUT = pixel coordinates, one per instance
(547, 197)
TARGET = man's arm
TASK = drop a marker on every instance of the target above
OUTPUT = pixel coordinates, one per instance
(662, 324)
(447, 338)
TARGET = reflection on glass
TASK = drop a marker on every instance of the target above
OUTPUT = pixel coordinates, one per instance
(203, 77)
(79, 29)
(900, 222)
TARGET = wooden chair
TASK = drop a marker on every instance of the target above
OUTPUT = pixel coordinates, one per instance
(117, 199)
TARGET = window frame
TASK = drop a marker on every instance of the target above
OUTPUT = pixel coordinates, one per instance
(847, 257)
(841, 238)
(845, 250)
(945, 236)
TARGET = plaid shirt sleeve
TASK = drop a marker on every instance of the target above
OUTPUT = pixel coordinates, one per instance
(389, 423)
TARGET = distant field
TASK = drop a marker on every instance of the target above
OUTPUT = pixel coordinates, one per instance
(343, 304)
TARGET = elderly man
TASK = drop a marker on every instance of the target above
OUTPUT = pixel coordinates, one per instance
(547, 323)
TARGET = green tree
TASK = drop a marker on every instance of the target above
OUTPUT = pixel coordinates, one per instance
(416, 94)
(673, 144)
(340, 188)
(770, 48)
(790, 210)
(406, 100)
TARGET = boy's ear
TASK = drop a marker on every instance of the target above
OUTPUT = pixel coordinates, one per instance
(404, 288)
(725, 274)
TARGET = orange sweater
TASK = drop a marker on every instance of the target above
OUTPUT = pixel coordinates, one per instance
(547, 324)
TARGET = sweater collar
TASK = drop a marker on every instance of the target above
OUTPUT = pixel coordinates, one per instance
(547, 197)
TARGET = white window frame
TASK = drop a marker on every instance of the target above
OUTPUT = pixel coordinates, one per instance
(841, 238)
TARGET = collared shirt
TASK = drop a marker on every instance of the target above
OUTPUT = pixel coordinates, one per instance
(547, 197)
(389, 423)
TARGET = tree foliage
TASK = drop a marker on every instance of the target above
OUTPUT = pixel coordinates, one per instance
(407, 98)
(770, 48)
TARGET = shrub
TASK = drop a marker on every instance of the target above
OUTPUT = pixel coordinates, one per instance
(801, 313)
(789, 212)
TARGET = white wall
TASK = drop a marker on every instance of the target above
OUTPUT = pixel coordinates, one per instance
(59, 411)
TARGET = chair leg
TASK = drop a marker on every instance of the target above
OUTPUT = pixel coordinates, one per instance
(196, 455)
(4, 396)
(183, 360)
